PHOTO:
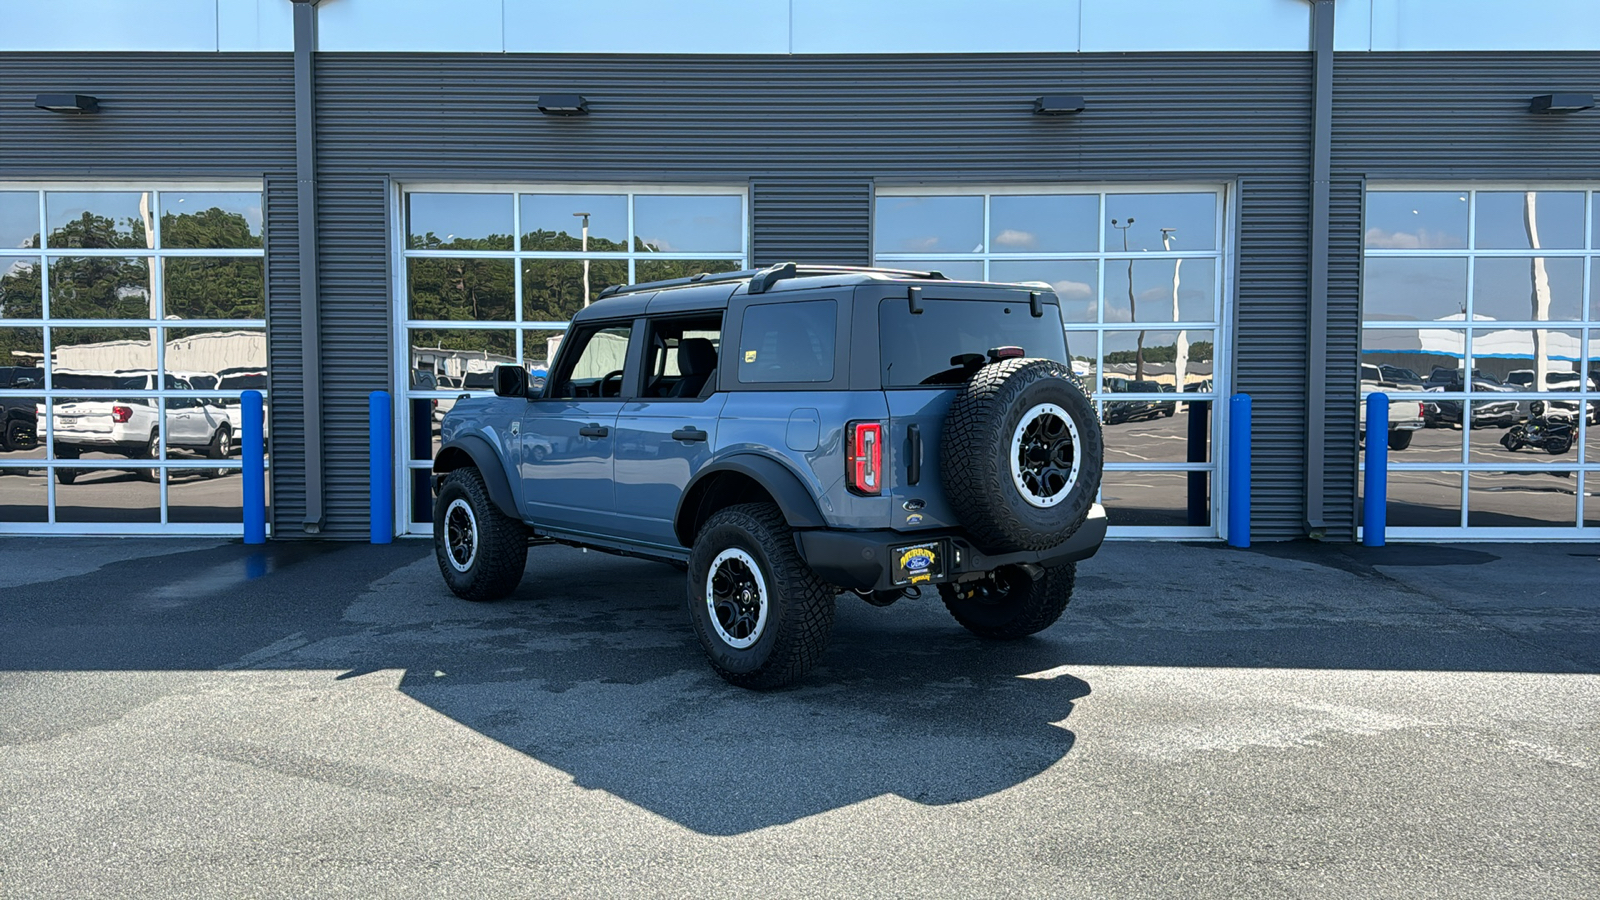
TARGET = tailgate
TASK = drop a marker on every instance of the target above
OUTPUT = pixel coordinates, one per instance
(922, 409)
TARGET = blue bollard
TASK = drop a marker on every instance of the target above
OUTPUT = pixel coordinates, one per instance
(380, 424)
(1239, 471)
(253, 455)
(1375, 503)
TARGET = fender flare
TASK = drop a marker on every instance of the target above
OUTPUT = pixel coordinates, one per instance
(474, 450)
(799, 508)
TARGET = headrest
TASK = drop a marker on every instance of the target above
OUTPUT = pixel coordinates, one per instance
(696, 356)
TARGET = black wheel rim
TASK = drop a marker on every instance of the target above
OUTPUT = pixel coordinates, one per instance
(461, 535)
(1044, 464)
(736, 597)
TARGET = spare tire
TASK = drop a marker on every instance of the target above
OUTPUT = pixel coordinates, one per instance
(1021, 454)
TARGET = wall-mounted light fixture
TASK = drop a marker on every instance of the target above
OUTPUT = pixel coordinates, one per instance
(75, 104)
(1561, 103)
(563, 105)
(1058, 105)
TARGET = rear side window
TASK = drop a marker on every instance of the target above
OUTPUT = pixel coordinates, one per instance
(788, 342)
(946, 342)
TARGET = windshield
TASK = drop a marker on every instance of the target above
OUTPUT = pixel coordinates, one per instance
(951, 339)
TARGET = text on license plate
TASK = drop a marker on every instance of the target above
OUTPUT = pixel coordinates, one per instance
(918, 563)
(68, 421)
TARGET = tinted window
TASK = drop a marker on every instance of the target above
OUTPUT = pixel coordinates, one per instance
(787, 342)
(944, 343)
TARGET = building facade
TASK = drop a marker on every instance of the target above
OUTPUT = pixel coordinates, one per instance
(1299, 201)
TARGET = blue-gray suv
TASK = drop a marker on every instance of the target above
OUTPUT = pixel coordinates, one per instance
(788, 435)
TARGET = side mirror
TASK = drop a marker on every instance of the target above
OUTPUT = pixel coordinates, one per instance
(510, 381)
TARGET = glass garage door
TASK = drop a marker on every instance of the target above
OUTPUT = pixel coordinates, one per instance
(492, 276)
(1481, 318)
(131, 319)
(1140, 277)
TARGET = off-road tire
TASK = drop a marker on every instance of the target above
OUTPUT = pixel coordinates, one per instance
(20, 435)
(500, 543)
(1023, 606)
(800, 606)
(1399, 440)
(977, 445)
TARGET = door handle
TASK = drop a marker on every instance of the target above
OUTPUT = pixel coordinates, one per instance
(689, 434)
(594, 430)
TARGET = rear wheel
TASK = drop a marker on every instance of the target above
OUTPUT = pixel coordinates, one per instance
(1011, 603)
(66, 451)
(1399, 440)
(762, 616)
(481, 551)
(221, 447)
(152, 450)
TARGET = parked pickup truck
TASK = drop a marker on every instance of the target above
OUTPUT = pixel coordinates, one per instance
(1406, 417)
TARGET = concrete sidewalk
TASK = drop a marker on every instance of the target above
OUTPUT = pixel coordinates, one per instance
(188, 718)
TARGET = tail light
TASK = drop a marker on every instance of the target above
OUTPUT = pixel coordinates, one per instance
(864, 470)
(120, 413)
(1422, 410)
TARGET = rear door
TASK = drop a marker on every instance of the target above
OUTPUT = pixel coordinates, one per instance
(926, 357)
(666, 433)
(566, 439)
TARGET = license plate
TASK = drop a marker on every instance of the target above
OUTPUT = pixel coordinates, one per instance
(68, 421)
(918, 563)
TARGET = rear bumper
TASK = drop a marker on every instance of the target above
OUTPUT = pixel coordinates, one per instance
(861, 560)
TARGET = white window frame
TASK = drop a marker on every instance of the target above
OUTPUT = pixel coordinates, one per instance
(1220, 326)
(1588, 326)
(400, 345)
(161, 394)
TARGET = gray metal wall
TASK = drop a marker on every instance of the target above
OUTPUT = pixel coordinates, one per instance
(1450, 118)
(810, 134)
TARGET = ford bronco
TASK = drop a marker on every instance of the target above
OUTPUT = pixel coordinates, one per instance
(787, 435)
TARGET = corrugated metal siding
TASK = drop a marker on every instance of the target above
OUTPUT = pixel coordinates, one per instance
(1270, 346)
(835, 122)
(356, 299)
(286, 408)
(811, 221)
(172, 116)
(1342, 377)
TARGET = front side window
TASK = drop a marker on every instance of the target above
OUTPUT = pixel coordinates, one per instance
(597, 371)
(788, 342)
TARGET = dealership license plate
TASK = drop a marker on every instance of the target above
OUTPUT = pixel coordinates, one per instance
(919, 563)
(68, 421)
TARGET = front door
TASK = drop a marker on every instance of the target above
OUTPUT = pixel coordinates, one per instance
(566, 439)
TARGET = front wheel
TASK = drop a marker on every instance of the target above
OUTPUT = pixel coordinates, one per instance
(221, 447)
(1011, 603)
(481, 550)
(762, 616)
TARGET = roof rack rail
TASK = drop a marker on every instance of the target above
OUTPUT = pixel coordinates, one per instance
(700, 278)
(763, 280)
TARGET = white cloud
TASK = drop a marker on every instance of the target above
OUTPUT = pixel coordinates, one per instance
(1072, 290)
(1013, 238)
(1423, 239)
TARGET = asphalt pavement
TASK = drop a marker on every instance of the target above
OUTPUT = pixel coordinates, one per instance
(202, 719)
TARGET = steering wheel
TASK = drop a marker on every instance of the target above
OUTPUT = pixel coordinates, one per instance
(606, 391)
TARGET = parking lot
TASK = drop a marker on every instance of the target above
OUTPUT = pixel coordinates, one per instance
(190, 718)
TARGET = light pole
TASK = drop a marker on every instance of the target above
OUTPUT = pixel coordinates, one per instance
(1133, 309)
(584, 246)
(1180, 357)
